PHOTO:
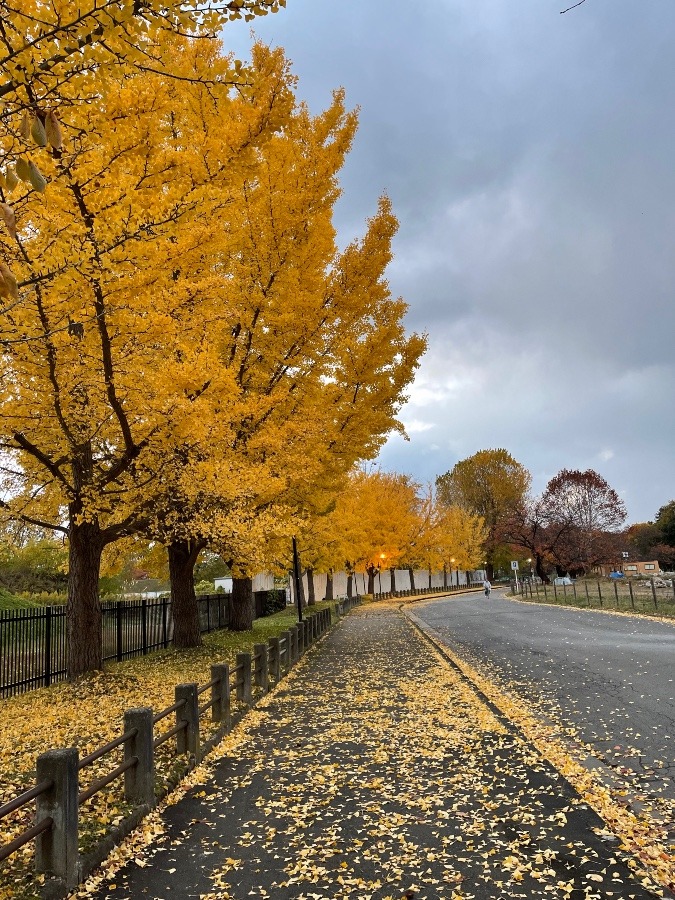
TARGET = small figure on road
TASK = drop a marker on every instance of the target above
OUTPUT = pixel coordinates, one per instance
(487, 587)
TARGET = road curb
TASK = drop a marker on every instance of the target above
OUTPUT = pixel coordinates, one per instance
(598, 770)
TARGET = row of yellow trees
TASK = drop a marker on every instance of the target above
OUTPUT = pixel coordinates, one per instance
(187, 354)
(385, 521)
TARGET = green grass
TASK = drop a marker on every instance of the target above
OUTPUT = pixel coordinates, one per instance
(594, 594)
(10, 601)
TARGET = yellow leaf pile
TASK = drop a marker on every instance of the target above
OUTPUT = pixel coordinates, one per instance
(377, 773)
(89, 713)
(642, 836)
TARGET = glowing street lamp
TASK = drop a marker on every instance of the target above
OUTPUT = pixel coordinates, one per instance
(380, 563)
(452, 565)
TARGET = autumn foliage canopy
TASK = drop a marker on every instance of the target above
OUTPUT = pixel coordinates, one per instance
(187, 354)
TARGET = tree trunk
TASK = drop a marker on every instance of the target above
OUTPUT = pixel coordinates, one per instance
(242, 614)
(392, 574)
(490, 570)
(411, 573)
(429, 577)
(311, 594)
(371, 580)
(83, 611)
(445, 577)
(539, 569)
(184, 607)
(350, 585)
(329, 586)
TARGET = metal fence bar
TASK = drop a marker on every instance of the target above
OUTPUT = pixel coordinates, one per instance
(33, 651)
(57, 790)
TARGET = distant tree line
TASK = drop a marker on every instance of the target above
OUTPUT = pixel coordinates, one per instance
(574, 526)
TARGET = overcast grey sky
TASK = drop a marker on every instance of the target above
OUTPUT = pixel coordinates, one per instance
(530, 158)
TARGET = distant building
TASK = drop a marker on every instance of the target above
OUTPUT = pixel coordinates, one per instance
(638, 567)
(634, 568)
(224, 583)
(262, 582)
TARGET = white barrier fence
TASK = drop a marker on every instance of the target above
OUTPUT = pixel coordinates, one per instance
(383, 581)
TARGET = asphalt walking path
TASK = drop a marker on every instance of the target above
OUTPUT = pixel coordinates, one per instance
(375, 771)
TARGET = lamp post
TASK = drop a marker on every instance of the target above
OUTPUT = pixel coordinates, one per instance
(452, 566)
(296, 578)
(529, 562)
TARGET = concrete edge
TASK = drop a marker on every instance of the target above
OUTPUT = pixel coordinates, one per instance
(594, 765)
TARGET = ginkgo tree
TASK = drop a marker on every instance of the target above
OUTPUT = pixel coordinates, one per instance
(54, 55)
(386, 520)
(379, 513)
(314, 353)
(490, 484)
(106, 351)
(49, 51)
(444, 537)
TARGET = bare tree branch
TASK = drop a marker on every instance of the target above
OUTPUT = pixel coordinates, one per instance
(562, 11)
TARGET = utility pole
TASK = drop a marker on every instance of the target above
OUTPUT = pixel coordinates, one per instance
(296, 578)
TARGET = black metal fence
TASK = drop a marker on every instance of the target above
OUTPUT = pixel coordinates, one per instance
(54, 823)
(33, 641)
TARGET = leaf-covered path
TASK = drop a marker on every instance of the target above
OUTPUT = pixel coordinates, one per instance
(608, 676)
(375, 770)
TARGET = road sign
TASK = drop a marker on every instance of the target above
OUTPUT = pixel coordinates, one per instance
(514, 565)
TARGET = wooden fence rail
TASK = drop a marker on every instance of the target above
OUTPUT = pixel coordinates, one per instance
(58, 794)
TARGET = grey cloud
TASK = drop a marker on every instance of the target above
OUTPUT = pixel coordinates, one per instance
(529, 157)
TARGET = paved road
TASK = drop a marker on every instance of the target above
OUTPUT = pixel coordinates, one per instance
(373, 770)
(611, 677)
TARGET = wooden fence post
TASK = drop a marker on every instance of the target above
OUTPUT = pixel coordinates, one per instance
(292, 641)
(244, 680)
(56, 850)
(261, 667)
(220, 695)
(289, 650)
(187, 740)
(139, 781)
(275, 659)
